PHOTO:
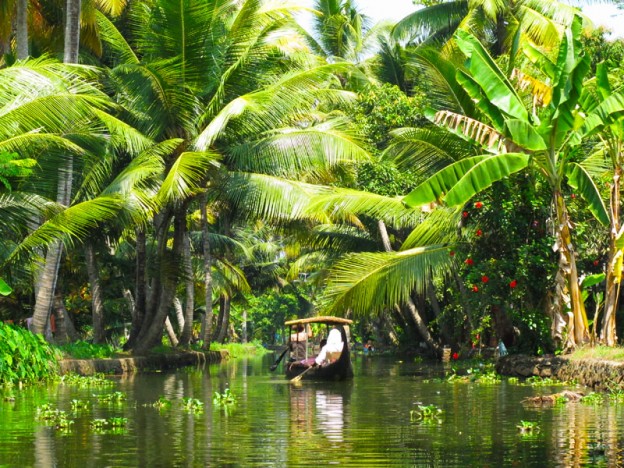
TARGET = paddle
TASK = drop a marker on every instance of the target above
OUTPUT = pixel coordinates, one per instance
(279, 359)
(300, 376)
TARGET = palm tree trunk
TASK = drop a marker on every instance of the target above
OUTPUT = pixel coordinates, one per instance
(140, 281)
(224, 315)
(612, 293)
(162, 298)
(206, 328)
(189, 308)
(177, 307)
(21, 26)
(65, 330)
(173, 339)
(43, 303)
(578, 332)
(72, 31)
(97, 304)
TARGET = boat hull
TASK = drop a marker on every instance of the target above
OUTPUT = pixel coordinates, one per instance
(339, 370)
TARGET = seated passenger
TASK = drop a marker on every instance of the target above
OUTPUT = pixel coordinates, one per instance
(331, 351)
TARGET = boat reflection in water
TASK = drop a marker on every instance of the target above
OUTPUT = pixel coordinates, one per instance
(319, 414)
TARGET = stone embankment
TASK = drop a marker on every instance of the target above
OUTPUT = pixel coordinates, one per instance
(134, 364)
(597, 374)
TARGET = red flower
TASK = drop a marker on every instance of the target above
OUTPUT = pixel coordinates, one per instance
(485, 279)
(452, 253)
(475, 288)
(596, 262)
(469, 261)
(479, 232)
(478, 205)
(573, 195)
(455, 356)
(465, 214)
(513, 284)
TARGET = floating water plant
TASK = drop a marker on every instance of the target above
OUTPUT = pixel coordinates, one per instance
(429, 414)
(86, 381)
(225, 398)
(162, 403)
(54, 417)
(79, 405)
(192, 405)
(593, 399)
(112, 398)
(528, 427)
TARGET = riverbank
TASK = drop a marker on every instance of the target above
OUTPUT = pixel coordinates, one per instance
(598, 374)
(134, 364)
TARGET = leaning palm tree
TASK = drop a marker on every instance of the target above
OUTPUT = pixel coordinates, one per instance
(53, 107)
(207, 73)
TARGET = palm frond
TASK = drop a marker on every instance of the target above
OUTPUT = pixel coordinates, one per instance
(269, 197)
(187, 174)
(345, 204)
(368, 283)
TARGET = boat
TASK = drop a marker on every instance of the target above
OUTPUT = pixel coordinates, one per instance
(339, 369)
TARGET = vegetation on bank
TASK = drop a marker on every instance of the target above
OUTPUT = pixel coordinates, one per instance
(454, 186)
(25, 358)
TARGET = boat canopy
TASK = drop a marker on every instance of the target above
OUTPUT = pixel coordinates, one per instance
(321, 319)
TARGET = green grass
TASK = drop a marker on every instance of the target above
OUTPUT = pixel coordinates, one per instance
(603, 353)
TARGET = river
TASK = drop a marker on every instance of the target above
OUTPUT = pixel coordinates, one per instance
(372, 421)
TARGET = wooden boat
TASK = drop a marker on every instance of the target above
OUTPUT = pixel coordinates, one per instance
(340, 369)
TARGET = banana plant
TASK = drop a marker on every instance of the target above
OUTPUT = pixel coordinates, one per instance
(516, 138)
(606, 162)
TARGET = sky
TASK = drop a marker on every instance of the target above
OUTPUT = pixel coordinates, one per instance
(601, 14)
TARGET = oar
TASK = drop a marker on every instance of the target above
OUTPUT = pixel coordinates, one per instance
(300, 376)
(279, 359)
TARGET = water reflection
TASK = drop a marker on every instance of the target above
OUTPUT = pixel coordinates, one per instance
(274, 423)
(319, 412)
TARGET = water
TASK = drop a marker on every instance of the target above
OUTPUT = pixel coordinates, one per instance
(366, 422)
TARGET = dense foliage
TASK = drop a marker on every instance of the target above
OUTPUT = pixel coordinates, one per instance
(453, 180)
(24, 357)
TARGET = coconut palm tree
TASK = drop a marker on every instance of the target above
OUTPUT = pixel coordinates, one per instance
(502, 24)
(215, 76)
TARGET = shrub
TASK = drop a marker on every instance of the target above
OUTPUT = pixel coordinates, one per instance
(24, 357)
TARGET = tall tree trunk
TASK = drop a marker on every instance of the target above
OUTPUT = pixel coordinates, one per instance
(65, 330)
(224, 315)
(608, 334)
(409, 304)
(97, 303)
(189, 307)
(47, 287)
(162, 296)
(72, 31)
(173, 339)
(140, 282)
(21, 26)
(206, 329)
(578, 329)
(177, 307)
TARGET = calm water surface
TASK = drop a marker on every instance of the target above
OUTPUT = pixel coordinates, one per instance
(365, 422)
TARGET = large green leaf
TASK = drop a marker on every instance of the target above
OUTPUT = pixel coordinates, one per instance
(5, 289)
(523, 133)
(582, 182)
(485, 173)
(493, 81)
(610, 108)
(436, 186)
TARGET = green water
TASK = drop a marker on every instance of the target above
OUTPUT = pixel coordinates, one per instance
(365, 422)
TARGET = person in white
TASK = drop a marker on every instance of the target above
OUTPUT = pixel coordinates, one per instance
(334, 345)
